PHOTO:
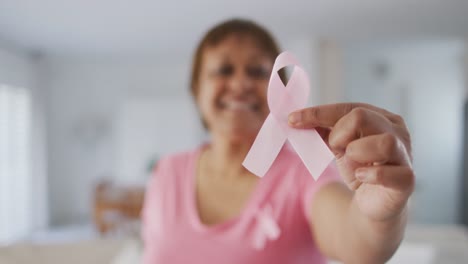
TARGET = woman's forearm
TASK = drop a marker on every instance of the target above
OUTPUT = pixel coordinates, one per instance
(368, 240)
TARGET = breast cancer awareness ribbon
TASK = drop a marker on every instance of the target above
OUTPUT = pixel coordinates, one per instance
(266, 228)
(282, 100)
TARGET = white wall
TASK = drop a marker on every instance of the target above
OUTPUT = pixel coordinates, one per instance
(425, 84)
(85, 92)
(19, 69)
(148, 129)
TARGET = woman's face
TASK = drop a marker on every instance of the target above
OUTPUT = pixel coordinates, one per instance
(232, 87)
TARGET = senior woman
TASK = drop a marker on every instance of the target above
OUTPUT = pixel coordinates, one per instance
(203, 206)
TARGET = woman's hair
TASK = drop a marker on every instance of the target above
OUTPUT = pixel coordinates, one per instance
(227, 28)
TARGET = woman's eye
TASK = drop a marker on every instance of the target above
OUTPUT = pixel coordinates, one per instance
(257, 72)
(225, 70)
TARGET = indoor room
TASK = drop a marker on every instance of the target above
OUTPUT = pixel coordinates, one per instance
(97, 96)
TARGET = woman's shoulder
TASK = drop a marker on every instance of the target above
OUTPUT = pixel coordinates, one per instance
(176, 160)
(172, 166)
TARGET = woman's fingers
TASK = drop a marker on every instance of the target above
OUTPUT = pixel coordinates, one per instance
(348, 122)
(372, 145)
(324, 132)
(320, 116)
(328, 115)
(358, 123)
(394, 177)
(383, 148)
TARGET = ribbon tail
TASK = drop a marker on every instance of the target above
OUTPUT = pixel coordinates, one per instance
(265, 148)
(258, 240)
(312, 150)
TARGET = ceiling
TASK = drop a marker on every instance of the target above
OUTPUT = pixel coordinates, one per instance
(140, 27)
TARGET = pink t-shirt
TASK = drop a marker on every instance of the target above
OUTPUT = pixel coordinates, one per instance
(173, 233)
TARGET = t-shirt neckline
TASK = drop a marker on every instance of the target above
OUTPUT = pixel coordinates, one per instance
(251, 206)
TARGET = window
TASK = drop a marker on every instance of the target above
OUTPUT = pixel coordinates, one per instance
(15, 169)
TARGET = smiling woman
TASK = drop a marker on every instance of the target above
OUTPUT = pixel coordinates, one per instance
(203, 200)
(232, 97)
(203, 206)
(220, 64)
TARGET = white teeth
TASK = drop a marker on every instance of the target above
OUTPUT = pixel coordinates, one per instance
(238, 105)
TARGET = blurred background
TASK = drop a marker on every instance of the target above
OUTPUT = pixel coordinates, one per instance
(93, 93)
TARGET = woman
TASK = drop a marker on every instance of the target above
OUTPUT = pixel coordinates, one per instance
(203, 206)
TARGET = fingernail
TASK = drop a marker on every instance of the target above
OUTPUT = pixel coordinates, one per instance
(295, 117)
(361, 174)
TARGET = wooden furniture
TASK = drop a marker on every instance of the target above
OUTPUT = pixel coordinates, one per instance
(117, 208)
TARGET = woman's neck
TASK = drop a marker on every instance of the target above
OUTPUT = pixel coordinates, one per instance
(226, 156)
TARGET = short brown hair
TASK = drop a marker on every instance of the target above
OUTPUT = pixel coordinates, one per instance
(219, 32)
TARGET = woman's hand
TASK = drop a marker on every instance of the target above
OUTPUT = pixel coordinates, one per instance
(373, 151)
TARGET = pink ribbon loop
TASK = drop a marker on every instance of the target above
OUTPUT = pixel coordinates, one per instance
(275, 131)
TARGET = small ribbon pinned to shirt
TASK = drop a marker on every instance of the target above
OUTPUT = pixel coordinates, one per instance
(266, 228)
(275, 131)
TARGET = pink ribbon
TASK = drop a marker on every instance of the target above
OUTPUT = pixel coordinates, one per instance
(282, 100)
(266, 228)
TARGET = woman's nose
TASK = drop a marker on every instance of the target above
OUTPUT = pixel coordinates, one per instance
(241, 82)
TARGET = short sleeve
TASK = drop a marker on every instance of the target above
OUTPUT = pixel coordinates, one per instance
(159, 205)
(151, 206)
(310, 187)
